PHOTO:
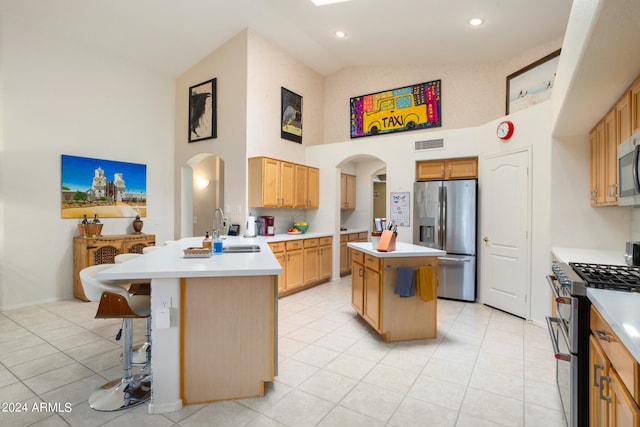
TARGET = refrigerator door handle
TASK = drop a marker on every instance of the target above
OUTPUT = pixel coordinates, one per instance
(453, 259)
(443, 218)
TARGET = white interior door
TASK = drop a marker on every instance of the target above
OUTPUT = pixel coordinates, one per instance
(505, 225)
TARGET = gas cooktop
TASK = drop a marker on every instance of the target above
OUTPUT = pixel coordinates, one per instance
(614, 277)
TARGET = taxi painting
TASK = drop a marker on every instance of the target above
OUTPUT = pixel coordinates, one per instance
(396, 110)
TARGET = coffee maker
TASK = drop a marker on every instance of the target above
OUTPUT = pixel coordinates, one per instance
(266, 226)
(251, 226)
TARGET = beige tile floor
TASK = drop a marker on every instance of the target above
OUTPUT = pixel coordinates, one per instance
(486, 368)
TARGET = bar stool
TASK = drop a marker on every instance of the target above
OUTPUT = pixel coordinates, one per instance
(142, 355)
(117, 302)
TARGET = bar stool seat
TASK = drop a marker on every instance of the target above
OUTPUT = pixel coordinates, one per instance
(117, 302)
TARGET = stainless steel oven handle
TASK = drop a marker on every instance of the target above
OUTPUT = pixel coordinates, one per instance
(554, 340)
(556, 297)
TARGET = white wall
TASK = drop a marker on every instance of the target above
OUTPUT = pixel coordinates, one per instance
(60, 98)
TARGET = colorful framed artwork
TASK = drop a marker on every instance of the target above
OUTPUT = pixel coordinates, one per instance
(291, 114)
(202, 111)
(531, 84)
(106, 188)
(397, 110)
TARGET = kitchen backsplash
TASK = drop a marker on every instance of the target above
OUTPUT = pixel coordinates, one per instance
(283, 218)
(635, 224)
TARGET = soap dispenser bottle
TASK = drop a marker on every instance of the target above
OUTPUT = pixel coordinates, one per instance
(217, 243)
(206, 242)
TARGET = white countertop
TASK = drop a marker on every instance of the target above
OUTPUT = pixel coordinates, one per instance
(402, 250)
(286, 236)
(592, 256)
(169, 262)
(620, 310)
(354, 230)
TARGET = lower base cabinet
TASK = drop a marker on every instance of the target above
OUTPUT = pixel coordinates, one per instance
(614, 396)
(345, 253)
(305, 263)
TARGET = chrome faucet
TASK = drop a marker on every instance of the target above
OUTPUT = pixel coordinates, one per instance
(217, 228)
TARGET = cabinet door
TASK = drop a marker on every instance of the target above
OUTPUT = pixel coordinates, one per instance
(313, 188)
(270, 182)
(301, 182)
(295, 266)
(282, 278)
(324, 263)
(610, 148)
(357, 288)
(623, 410)
(344, 258)
(287, 184)
(635, 106)
(430, 169)
(372, 297)
(311, 266)
(351, 192)
(462, 168)
(343, 191)
(593, 168)
(623, 118)
(598, 165)
(598, 366)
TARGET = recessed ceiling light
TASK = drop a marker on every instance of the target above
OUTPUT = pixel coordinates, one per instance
(326, 2)
(340, 34)
(476, 21)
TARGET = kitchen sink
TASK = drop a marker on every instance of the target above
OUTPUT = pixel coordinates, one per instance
(231, 249)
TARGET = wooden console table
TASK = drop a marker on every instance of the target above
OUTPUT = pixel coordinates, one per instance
(89, 251)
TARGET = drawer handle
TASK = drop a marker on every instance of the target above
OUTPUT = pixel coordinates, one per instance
(602, 335)
(604, 378)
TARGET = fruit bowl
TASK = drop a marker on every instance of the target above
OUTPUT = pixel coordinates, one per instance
(302, 227)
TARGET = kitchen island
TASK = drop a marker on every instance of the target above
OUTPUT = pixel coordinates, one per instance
(373, 282)
(219, 341)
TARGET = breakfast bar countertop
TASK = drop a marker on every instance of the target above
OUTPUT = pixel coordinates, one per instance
(169, 262)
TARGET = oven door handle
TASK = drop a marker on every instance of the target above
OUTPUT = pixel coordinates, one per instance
(554, 340)
(554, 290)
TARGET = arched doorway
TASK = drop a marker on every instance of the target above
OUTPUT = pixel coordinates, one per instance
(202, 190)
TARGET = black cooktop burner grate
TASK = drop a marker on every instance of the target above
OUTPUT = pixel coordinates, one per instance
(616, 277)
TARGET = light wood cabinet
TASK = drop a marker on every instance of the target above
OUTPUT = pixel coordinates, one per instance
(623, 118)
(279, 184)
(603, 143)
(443, 169)
(345, 253)
(614, 394)
(347, 191)
(88, 251)
(304, 262)
(372, 297)
(635, 106)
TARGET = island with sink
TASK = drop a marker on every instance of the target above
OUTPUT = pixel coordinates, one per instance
(218, 338)
(374, 282)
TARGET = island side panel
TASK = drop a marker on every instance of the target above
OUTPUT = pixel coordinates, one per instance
(228, 337)
(407, 318)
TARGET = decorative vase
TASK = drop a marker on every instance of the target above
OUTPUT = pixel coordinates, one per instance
(137, 225)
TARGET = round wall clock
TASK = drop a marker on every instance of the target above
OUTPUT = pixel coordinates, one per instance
(505, 130)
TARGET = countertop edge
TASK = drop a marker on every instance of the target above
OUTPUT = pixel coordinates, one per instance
(604, 300)
(590, 256)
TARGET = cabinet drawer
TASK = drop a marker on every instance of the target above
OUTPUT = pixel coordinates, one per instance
(353, 237)
(311, 243)
(362, 236)
(357, 256)
(326, 241)
(621, 360)
(372, 262)
(294, 244)
(277, 247)
(344, 238)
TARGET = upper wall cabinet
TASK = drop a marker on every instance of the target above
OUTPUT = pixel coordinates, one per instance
(434, 170)
(347, 191)
(279, 184)
(634, 93)
(603, 140)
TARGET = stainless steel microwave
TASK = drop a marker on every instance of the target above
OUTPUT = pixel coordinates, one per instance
(628, 176)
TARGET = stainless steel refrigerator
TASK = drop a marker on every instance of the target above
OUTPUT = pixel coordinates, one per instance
(445, 215)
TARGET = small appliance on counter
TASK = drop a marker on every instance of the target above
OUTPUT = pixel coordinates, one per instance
(251, 226)
(632, 253)
(266, 226)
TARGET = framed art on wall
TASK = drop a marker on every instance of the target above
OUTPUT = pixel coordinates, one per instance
(106, 188)
(202, 111)
(291, 115)
(396, 110)
(531, 84)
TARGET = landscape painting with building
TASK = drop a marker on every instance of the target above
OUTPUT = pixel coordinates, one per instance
(102, 188)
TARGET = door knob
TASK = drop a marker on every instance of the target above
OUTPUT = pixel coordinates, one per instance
(486, 239)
